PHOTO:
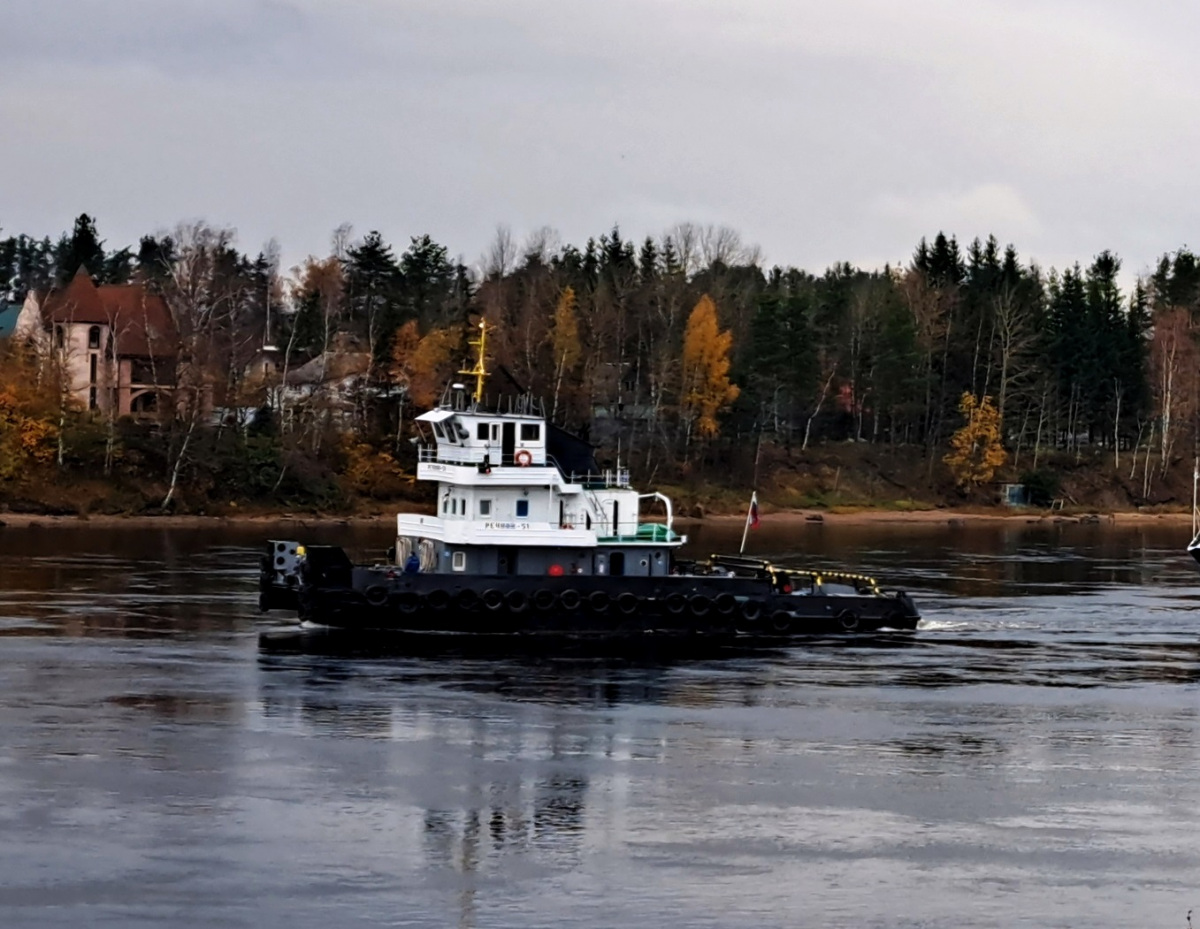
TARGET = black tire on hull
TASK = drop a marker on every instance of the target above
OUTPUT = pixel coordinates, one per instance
(570, 599)
(781, 622)
(752, 611)
(599, 601)
(493, 599)
(700, 605)
(408, 601)
(466, 600)
(545, 600)
(726, 604)
(628, 603)
(376, 595)
(517, 601)
(848, 620)
(437, 599)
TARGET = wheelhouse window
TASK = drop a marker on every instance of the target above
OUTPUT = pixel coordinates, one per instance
(482, 432)
(94, 337)
(522, 509)
(459, 561)
(439, 431)
(485, 507)
(531, 432)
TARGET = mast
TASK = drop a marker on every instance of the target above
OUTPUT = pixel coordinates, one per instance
(479, 370)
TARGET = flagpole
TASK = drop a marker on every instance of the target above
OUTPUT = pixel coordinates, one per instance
(746, 528)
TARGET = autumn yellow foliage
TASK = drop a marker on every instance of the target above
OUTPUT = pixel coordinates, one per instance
(28, 415)
(423, 364)
(707, 389)
(976, 450)
(369, 471)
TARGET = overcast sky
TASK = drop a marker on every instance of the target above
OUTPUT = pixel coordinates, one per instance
(822, 131)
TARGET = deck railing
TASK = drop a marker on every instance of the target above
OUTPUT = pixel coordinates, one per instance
(473, 457)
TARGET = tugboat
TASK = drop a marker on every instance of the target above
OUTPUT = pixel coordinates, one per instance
(532, 538)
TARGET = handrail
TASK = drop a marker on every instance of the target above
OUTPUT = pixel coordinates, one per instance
(667, 501)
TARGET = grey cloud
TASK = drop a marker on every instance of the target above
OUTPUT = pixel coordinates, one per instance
(823, 131)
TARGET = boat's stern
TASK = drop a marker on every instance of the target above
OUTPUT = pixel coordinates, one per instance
(279, 576)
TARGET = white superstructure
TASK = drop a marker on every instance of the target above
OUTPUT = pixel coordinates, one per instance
(506, 505)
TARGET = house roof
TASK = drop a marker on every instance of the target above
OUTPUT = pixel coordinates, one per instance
(331, 366)
(8, 318)
(140, 319)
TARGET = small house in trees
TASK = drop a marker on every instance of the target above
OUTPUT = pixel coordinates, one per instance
(117, 343)
(9, 313)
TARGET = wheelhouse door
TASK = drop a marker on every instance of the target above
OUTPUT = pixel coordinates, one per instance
(508, 443)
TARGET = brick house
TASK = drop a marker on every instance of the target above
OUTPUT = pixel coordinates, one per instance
(117, 342)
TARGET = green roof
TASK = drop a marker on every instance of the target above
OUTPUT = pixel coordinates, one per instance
(8, 318)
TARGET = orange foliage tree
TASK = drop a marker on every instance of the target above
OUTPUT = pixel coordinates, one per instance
(976, 450)
(423, 364)
(707, 389)
(29, 413)
(564, 339)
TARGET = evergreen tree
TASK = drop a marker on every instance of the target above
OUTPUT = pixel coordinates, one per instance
(82, 248)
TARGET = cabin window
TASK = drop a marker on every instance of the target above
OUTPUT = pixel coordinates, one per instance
(459, 561)
(94, 337)
(446, 505)
(485, 507)
(482, 432)
(531, 432)
(522, 509)
(495, 432)
(439, 431)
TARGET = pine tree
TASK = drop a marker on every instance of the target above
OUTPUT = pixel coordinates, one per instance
(82, 248)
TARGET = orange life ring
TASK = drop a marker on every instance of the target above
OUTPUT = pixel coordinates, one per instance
(523, 458)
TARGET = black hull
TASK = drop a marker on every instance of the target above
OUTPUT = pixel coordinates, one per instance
(332, 592)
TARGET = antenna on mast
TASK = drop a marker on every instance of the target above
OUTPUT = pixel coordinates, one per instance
(479, 370)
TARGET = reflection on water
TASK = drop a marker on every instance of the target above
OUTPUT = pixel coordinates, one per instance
(1029, 755)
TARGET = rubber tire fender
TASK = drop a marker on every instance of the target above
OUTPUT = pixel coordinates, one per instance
(726, 604)
(848, 620)
(700, 605)
(517, 601)
(599, 601)
(466, 599)
(628, 603)
(437, 599)
(781, 622)
(376, 595)
(493, 599)
(675, 603)
(408, 601)
(752, 610)
(544, 600)
(570, 599)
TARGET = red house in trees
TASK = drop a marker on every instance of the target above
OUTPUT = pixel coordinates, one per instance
(117, 343)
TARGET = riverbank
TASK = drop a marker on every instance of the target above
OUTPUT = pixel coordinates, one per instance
(857, 517)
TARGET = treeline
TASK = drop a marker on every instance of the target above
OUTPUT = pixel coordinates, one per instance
(681, 353)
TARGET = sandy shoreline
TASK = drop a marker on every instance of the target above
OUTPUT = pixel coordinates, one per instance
(866, 517)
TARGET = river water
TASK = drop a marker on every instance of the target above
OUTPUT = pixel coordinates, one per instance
(1030, 756)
